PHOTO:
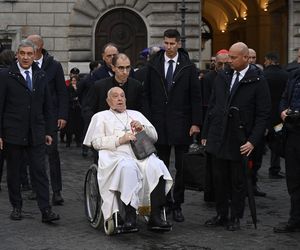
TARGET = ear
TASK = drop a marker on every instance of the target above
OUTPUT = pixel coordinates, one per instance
(113, 68)
(108, 101)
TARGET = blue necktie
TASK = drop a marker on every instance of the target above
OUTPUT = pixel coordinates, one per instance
(28, 79)
(169, 76)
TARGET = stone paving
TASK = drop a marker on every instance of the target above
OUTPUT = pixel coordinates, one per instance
(73, 230)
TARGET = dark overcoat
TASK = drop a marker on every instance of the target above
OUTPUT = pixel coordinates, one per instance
(252, 98)
(25, 116)
(173, 112)
(57, 86)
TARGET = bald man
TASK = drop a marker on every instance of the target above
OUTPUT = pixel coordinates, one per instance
(59, 95)
(244, 88)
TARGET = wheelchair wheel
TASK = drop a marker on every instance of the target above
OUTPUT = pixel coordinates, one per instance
(92, 198)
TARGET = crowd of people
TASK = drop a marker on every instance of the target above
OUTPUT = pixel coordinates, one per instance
(170, 100)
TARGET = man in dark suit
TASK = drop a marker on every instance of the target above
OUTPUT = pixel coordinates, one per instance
(96, 97)
(277, 79)
(241, 88)
(59, 95)
(109, 50)
(289, 109)
(26, 123)
(173, 105)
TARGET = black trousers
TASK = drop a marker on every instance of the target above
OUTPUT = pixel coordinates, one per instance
(230, 187)
(292, 164)
(36, 156)
(54, 165)
(257, 157)
(164, 152)
(274, 163)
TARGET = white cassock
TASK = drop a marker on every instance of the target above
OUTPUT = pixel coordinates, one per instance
(119, 171)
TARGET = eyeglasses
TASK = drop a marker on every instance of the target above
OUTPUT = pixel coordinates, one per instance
(122, 68)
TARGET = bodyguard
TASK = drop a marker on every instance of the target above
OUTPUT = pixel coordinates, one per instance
(245, 88)
(173, 106)
(26, 123)
(59, 97)
(290, 114)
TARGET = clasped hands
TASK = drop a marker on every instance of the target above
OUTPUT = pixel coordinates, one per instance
(136, 127)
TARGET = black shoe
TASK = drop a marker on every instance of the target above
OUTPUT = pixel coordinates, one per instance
(276, 176)
(57, 199)
(233, 225)
(177, 215)
(217, 221)
(257, 192)
(16, 214)
(287, 228)
(157, 224)
(48, 216)
(32, 196)
(26, 187)
(130, 219)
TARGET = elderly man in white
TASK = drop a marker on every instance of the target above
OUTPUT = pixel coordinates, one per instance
(121, 175)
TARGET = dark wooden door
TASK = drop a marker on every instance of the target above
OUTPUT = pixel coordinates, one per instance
(124, 28)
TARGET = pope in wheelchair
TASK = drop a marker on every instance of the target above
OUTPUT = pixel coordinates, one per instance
(126, 183)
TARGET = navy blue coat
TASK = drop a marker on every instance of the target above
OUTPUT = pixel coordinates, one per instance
(57, 86)
(173, 112)
(251, 97)
(26, 117)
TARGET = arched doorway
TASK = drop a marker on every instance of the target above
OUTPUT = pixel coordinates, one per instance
(124, 28)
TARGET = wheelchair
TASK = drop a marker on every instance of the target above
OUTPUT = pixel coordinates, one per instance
(93, 203)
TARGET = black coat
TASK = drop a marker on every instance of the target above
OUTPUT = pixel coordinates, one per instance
(277, 79)
(57, 86)
(173, 113)
(96, 97)
(25, 116)
(252, 98)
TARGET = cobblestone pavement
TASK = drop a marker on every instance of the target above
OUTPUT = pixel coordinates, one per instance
(73, 230)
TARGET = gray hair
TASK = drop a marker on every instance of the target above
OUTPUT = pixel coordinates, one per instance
(26, 43)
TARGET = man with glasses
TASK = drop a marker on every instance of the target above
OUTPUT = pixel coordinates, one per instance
(96, 97)
(207, 83)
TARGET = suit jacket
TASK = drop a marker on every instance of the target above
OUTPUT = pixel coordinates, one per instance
(25, 116)
(173, 112)
(57, 86)
(251, 97)
(96, 97)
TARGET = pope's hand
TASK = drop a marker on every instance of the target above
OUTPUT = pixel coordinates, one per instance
(136, 126)
(126, 138)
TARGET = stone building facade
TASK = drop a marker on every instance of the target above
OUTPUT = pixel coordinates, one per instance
(69, 26)
(75, 30)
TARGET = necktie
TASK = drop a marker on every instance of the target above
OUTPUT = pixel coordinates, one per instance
(169, 76)
(28, 80)
(236, 81)
(38, 64)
